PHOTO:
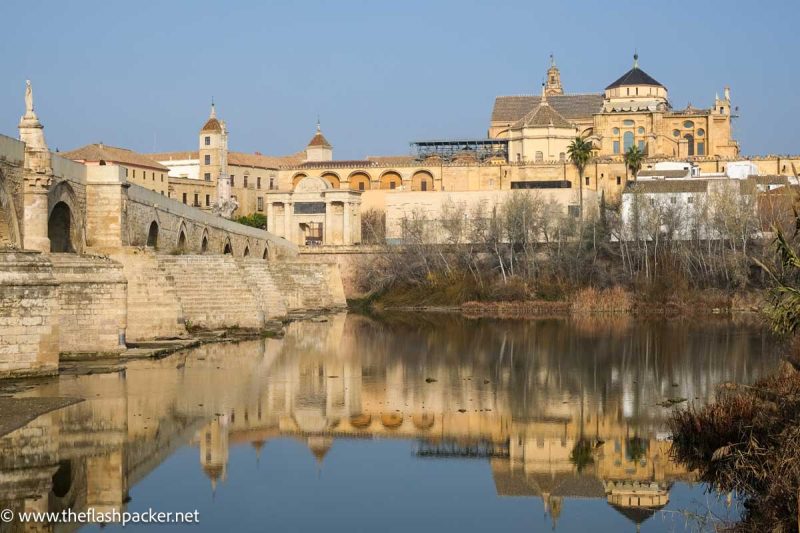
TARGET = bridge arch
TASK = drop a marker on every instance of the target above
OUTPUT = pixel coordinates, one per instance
(180, 244)
(64, 227)
(227, 248)
(152, 235)
(204, 241)
(246, 252)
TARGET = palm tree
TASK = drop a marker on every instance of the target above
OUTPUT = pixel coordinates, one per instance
(580, 152)
(633, 160)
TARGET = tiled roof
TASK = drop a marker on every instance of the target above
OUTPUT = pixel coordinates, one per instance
(122, 156)
(668, 186)
(665, 173)
(542, 116)
(319, 140)
(173, 156)
(391, 159)
(212, 125)
(569, 106)
(634, 76)
(238, 159)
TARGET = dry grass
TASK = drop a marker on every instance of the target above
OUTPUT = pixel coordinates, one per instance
(748, 442)
(523, 309)
(591, 300)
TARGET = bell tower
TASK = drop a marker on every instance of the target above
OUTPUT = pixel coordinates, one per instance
(553, 83)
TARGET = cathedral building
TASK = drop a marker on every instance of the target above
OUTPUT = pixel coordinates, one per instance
(634, 110)
(313, 198)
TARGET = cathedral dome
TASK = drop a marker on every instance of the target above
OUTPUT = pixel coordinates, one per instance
(635, 76)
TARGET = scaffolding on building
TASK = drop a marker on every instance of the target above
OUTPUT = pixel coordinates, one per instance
(450, 149)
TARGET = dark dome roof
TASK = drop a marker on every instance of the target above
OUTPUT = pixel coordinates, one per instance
(635, 76)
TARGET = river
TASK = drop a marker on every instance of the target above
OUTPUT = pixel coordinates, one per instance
(416, 422)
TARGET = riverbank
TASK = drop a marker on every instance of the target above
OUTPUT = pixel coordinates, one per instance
(584, 302)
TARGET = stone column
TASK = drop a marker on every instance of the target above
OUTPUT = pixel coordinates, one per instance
(328, 230)
(104, 204)
(37, 177)
(347, 237)
(270, 217)
(35, 212)
(287, 221)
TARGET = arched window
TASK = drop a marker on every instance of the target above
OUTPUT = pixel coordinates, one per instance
(690, 139)
(688, 124)
(627, 140)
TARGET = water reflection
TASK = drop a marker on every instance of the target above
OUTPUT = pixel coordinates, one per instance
(560, 409)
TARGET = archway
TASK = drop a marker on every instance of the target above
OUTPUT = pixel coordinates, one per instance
(59, 229)
(62, 479)
(333, 179)
(296, 179)
(152, 235)
(227, 249)
(422, 181)
(246, 252)
(360, 181)
(391, 180)
(182, 241)
(204, 243)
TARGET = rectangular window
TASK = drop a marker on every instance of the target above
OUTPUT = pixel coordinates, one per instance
(245, 182)
(690, 200)
(207, 176)
(641, 146)
(126, 172)
(271, 183)
(208, 141)
(196, 200)
(391, 185)
(619, 180)
(616, 147)
(208, 200)
(701, 148)
(424, 185)
(360, 185)
(207, 159)
(673, 200)
(154, 176)
(134, 172)
(184, 197)
(233, 181)
(162, 177)
(258, 182)
(587, 180)
(574, 211)
(260, 203)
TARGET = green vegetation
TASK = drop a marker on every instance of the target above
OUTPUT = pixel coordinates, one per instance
(256, 220)
(633, 160)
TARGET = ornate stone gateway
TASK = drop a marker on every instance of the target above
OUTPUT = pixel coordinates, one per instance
(315, 213)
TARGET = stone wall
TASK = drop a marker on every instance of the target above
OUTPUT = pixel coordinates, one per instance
(212, 291)
(28, 319)
(307, 286)
(92, 304)
(143, 207)
(349, 260)
(153, 309)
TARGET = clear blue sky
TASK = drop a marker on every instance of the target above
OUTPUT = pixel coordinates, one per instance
(379, 74)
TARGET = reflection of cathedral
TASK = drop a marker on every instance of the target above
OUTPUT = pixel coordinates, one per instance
(507, 393)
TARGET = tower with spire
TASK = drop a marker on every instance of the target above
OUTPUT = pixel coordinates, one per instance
(319, 149)
(213, 165)
(553, 85)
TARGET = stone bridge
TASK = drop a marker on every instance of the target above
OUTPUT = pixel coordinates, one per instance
(89, 261)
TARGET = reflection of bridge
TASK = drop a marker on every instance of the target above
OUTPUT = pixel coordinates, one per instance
(348, 379)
